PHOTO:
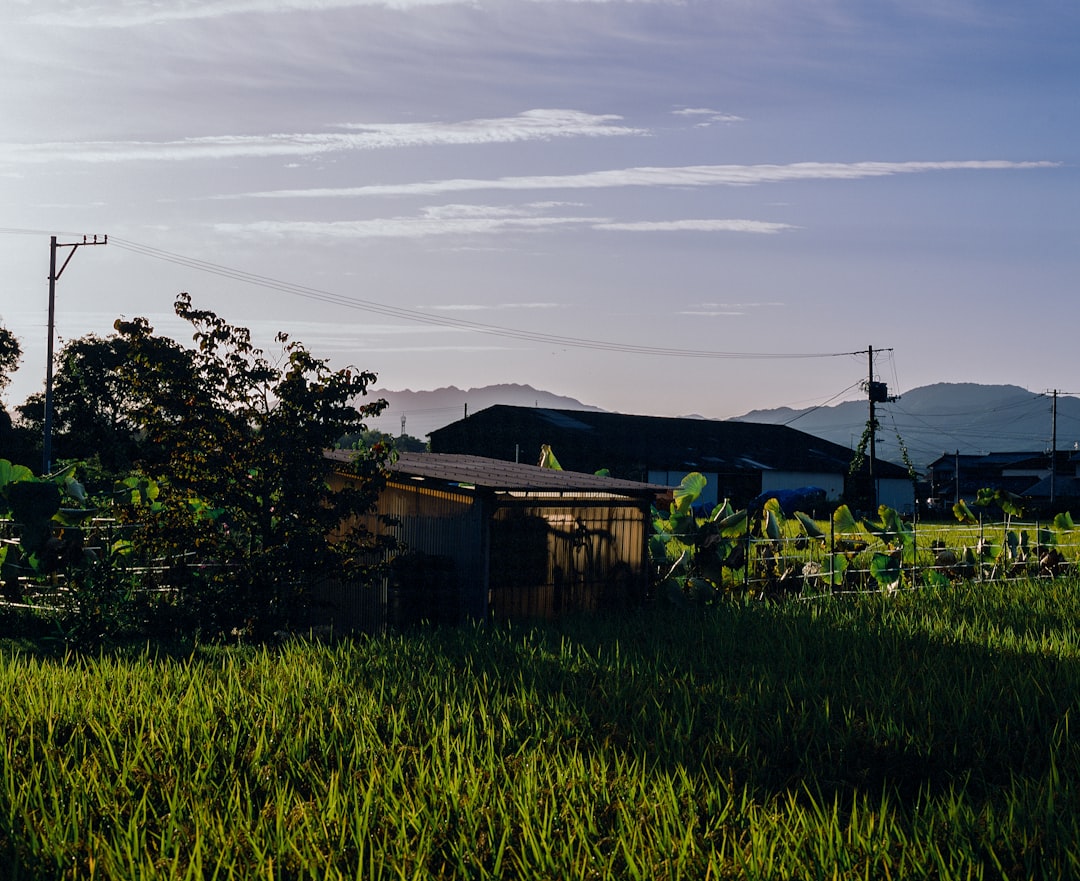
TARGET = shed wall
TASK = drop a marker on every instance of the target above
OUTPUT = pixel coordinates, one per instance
(548, 560)
(444, 524)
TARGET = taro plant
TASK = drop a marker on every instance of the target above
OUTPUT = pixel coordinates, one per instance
(689, 555)
(48, 515)
(62, 556)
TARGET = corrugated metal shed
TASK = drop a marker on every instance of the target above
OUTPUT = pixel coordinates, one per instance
(496, 475)
(490, 539)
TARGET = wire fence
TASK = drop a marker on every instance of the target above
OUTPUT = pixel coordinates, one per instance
(923, 554)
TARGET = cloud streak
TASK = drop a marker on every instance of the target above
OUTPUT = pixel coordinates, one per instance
(754, 226)
(652, 176)
(531, 125)
(141, 13)
(482, 220)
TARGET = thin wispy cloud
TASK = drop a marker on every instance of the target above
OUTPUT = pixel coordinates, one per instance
(483, 221)
(704, 117)
(402, 227)
(140, 13)
(651, 176)
(754, 226)
(531, 125)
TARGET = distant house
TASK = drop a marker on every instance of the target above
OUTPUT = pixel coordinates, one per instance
(1024, 473)
(490, 539)
(740, 459)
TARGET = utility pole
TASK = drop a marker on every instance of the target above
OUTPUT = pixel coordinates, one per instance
(1053, 447)
(877, 393)
(54, 275)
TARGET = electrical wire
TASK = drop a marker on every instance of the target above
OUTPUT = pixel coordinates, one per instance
(822, 404)
(420, 317)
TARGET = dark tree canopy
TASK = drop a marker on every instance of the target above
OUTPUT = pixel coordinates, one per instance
(15, 442)
(236, 443)
(10, 355)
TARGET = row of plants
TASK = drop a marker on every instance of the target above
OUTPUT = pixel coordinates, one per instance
(921, 735)
(763, 551)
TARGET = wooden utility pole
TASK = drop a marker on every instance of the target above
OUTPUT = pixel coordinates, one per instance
(1053, 448)
(877, 393)
(54, 275)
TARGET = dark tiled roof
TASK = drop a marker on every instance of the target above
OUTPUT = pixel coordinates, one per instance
(600, 439)
(498, 475)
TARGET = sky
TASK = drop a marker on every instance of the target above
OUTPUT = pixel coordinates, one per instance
(666, 207)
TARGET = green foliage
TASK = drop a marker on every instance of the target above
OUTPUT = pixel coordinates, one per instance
(843, 520)
(10, 355)
(547, 458)
(690, 556)
(810, 528)
(235, 446)
(1009, 502)
(370, 438)
(963, 513)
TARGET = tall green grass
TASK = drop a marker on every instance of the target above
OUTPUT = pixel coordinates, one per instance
(918, 735)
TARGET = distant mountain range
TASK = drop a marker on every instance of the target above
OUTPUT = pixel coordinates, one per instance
(944, 418)
(930, 421)
(424, 411)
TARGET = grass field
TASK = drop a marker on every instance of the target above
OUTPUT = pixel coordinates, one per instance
(923, 734)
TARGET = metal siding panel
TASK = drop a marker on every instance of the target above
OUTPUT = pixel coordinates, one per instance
(548, 561)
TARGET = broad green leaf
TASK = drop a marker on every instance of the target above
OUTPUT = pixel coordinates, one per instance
(810, 528)
(886, 569)
(547, 458)
(10, 473)
(963, 513)
(1011, 503)
(734, 525)
(1064, 521)
(1046, 537)
(689, 490)
(935, 578)
(721, 512)
(770, 524)
(843, 520)
(833, 569)
(658, 549)
(74, 489)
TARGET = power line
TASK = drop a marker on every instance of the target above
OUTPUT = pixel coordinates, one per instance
(420, 317)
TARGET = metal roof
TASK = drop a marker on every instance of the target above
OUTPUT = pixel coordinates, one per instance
(498, 475)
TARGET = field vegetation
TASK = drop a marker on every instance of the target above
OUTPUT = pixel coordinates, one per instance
(919, 734)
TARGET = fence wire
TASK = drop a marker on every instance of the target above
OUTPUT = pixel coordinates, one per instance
(928, 553)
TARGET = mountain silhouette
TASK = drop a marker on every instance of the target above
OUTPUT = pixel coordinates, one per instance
(424, 411)
(929, 421)
(943, 418)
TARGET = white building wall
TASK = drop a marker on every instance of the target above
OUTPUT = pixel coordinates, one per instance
(896, 493)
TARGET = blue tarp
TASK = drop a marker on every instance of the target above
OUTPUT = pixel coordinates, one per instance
(805, 499)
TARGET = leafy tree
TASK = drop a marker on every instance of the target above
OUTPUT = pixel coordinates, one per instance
(15, 442)
(93, 409)
(10, 355)
(365, 440)
(236, 448)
